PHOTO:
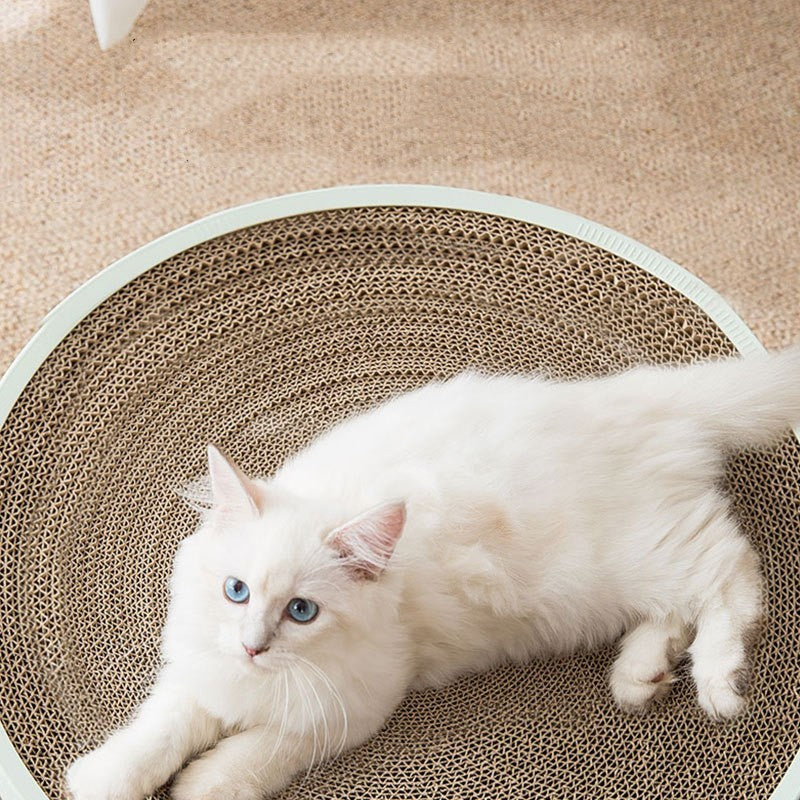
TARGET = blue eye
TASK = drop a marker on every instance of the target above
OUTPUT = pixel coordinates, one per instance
(236, 591)
(302, 610)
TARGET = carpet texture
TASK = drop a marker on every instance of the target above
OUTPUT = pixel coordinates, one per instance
(675, 123)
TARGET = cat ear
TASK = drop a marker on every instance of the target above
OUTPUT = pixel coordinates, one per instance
(367, 542)
(232, 491)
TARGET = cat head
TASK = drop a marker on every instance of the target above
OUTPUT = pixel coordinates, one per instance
(270, 577)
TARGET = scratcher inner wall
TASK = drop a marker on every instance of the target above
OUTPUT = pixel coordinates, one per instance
(259, 340)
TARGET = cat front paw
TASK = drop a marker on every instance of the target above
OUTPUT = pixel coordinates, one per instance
(100, 776)
(204, 779)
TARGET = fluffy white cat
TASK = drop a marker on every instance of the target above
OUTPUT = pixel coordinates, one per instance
(468, 523)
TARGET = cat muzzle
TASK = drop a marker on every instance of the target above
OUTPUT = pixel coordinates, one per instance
(254, 651)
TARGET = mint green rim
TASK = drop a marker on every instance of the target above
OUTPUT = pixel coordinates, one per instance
(16, 783)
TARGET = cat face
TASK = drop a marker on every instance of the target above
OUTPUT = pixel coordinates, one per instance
(277, 587)
(268, 579)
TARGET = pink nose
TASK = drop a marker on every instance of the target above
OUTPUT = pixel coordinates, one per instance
(251, 651)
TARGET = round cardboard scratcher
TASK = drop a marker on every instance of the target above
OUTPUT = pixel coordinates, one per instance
(259, 339)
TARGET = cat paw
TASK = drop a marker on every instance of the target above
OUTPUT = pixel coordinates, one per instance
(633, 694)
(97, 776)
(203, 780)
(722, 698)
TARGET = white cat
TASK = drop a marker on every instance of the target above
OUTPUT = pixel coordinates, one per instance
(454, 528)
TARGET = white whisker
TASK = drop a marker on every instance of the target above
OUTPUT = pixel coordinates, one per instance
(306, 705)
(282, 728)
(327, 746)
(336, 696)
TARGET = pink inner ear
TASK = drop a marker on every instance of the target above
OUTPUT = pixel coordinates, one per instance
(368, 541)
(233, 492)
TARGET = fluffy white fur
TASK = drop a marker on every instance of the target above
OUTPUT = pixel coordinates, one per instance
(463, 525)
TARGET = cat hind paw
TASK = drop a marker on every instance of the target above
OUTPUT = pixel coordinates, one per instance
(633, 694)
(722, 698)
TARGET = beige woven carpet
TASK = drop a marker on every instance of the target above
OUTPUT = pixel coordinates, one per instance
(673, 122)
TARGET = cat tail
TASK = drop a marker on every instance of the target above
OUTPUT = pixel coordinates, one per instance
(743, 402)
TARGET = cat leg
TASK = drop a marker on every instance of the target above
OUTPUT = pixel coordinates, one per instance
(168, 728)
(246, 766)
(643, 669)
(726, 630)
